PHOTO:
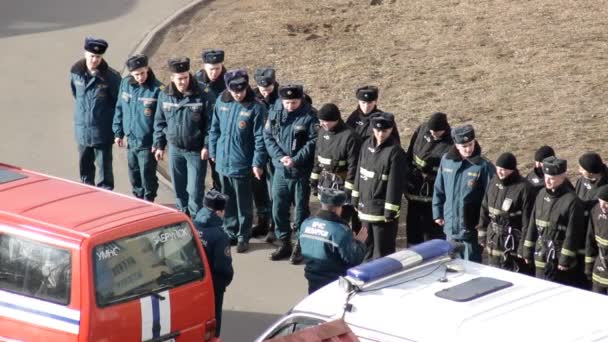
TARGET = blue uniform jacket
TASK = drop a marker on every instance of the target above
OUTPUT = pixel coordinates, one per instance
(181, 119)
(217, 246)
(211, 90)
(459, 189)
(292, 134)
(329, 248)
(135, 108)
(236, 137)
(95, 100)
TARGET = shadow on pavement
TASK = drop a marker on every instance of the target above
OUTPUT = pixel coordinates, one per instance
(33, 16)
(238, 326)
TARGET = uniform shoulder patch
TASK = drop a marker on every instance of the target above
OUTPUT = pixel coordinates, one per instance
(227, 251)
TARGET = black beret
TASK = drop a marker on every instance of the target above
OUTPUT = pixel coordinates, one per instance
(136, 62)
(438, 122)
(291, 91)
(463, 134)
(507, 161)
(329, 112)
(179, 64)
(95, 45)
(602, 193)
(264, 77)
(213, 56)
(553, 166)
(333, 197)
(215, 200)
(543, 152)
(236, 76)
(367, 93)
(383, 120)
(591, 162)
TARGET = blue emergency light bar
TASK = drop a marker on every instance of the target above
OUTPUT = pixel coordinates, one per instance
(399, 261)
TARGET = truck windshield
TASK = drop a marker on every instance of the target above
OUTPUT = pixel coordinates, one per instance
(35, 269)
(144, 264)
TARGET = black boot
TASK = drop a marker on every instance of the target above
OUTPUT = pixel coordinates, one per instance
(261, 228)
(282, 252)
(271, 237)
(296, 257)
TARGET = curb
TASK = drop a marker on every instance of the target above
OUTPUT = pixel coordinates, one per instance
(144, 45)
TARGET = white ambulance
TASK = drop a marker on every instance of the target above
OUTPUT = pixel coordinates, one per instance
(425, 294)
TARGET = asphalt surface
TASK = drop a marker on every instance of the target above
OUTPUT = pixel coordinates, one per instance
(40, 40)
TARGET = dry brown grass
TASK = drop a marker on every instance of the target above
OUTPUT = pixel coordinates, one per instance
(525, 73)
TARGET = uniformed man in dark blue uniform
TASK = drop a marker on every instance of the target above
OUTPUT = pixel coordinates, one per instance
(267, 92)
(181, 121)
(290, 136)
(329, 246)
(236, 145)
(208, 223)
(94, 88)
(134, 118)
(211, 80)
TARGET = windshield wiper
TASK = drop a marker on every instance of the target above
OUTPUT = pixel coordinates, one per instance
(189, 274)
(141, 292)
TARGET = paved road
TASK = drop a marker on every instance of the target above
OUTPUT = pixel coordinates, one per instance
(40, 40)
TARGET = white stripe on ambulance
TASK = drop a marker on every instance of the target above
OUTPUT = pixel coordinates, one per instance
(38, 312)
(147, 315)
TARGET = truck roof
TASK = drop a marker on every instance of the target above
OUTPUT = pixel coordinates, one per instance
(65, 208)
(409, 308)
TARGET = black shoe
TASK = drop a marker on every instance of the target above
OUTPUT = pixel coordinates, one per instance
(233, 241)
(242, 246)
(270, 237)
(296, 257)
(282, 252)
(261, 228)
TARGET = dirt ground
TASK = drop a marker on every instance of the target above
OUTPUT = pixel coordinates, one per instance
(524, 73)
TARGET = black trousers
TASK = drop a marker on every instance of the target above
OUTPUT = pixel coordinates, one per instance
(350, 215)
(219, 301)
(381, 239)
(420, 225)
(101, 155)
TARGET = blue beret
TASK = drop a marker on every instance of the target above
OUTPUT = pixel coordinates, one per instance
(463, 134)
(95, 45)
(554, 166)
(264, 76)
(291, 91)
(212, 56)
(367, 93)
(179, 64)
(136, 62)
(215, 200)
(332, 197)
(235, 75)
(383, 120)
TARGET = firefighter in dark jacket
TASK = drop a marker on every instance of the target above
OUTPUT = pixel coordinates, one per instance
(505, 209)
(328, 244)
(336, 157)
(536, 176)
(556, 231)
(211, 81)
(430, 142)
(208, 222)
(134, 119)
(461, 183)
(359, 119)
(95, 90)
(180, 121)
(290, 135)
(593, 175)
(378, 186)
(596, 248)
(267, 92)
